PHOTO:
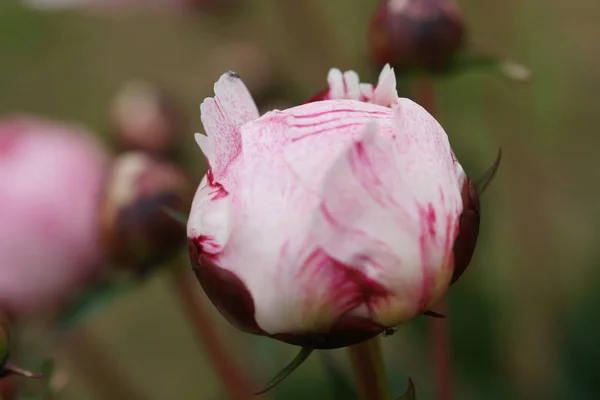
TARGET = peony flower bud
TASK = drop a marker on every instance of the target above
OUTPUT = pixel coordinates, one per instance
(324, 224)
(416, 34)
(144, 119)
(135, 227)
(51, 178)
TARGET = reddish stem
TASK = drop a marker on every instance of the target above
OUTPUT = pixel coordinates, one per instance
(8, 389)
(440, 340)
(424, 94)
(441, 352)
(234, 381)
(94, 365)
(369, 370)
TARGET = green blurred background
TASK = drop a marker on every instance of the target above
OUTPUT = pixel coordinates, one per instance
(525, 318)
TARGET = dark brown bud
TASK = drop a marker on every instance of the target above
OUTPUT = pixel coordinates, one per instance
(416, 34)
(137, 231)
(145, 119)
(465, 243)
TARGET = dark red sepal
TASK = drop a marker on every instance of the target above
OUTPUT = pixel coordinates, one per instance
(346, 332)
(231, 297)
(225, 290)
(468, 230)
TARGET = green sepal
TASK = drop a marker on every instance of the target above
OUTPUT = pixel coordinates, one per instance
(302, 356)
(482, 183)
(411, 393)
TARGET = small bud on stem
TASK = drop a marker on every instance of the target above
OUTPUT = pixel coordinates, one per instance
(416, 34)
(134, 225)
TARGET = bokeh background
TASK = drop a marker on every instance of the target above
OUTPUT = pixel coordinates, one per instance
(525, 317)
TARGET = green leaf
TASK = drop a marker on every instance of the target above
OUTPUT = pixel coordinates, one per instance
(410, 393)
(482, 183)
(92, 301)
(176, 215)
(305, 352)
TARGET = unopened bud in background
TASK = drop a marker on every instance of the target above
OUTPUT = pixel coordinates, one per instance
(416, 34)
(144, 118)
(52, 175)
(135, 227)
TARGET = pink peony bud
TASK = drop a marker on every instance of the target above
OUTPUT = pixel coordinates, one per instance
(324, 224)
(416, 34)
(51, 178)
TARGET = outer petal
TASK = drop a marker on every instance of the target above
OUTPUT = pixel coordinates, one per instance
(390, 210)
(211, 217)
(222, 117)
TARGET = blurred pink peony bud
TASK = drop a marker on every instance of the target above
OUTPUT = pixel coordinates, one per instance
(324, 224)
(416, 34)
(145, 119)
(135, 227)
(51, 178)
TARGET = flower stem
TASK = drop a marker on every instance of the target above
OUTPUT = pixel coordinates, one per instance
(369, 370)
(442, 355)
(233, 379)
(8, 389)
(440, 345)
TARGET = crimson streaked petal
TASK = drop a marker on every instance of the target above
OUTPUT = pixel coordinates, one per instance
(211, 216)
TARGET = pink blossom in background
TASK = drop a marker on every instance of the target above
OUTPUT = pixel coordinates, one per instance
(51, 178)
(325, 223)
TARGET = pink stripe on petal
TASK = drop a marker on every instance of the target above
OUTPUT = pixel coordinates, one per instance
(211, 216)
(335, 107)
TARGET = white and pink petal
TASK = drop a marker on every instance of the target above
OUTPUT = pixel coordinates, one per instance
(222, 117)
(211, 217)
